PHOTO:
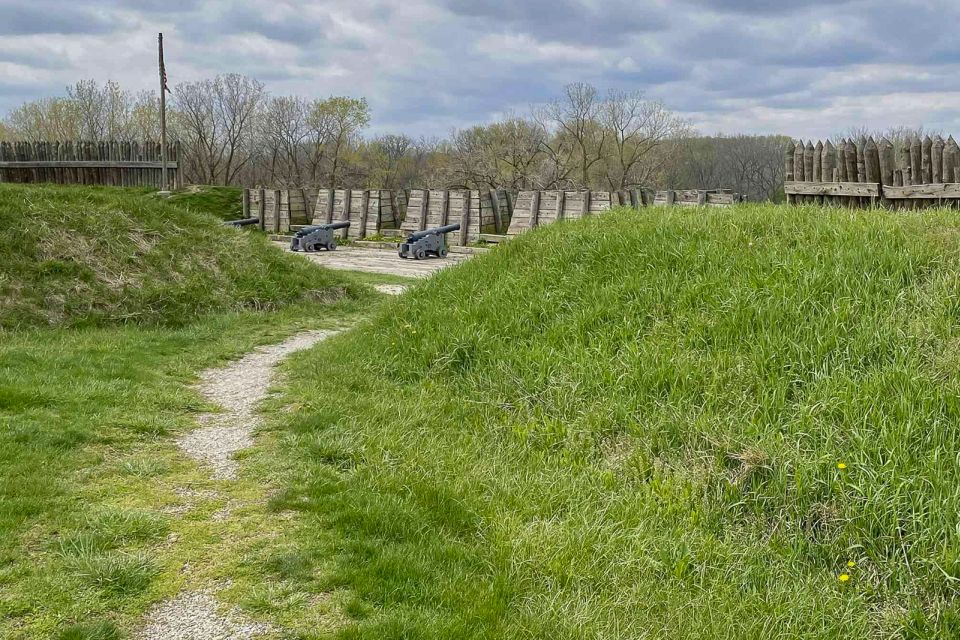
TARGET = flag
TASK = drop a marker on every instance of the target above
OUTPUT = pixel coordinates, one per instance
(163, 68)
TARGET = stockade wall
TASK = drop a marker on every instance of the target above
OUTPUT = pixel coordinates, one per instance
(857, 173)
(479, 212)
(117, 164)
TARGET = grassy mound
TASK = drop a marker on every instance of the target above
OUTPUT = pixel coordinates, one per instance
(225, 203)
(671, 423)
(86, 255)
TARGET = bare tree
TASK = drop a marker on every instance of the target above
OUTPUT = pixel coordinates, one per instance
(575, 122)
(637, 128)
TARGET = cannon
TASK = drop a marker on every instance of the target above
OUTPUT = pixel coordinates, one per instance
(428, 242)
(245, 222)
(314, 237)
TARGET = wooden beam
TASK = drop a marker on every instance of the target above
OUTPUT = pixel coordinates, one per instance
(923, 191)
(854, 189)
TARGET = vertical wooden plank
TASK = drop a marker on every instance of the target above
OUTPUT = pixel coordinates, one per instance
(850, 157)
(425, 207)
(246, 203)
(936, 161)
(798, 162)
(887, 162)
(871, 161)
(364, 213)
(861, 164)
(788, 154)
(464, 219)
(841, 160)
(818, 162)
(954, 159)
(535, 210)
(672, 196)
(561, 204)
(926, 151)
(916, 174)
(445, 208)
(587, 197)
(276, 211)
(262, 208)
(808, 162)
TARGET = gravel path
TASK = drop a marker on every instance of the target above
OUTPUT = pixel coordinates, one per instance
(238, 388)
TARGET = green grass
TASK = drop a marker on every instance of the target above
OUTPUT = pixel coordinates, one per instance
(630, 426)
(90, 532)
(225, 203)
(86, 256)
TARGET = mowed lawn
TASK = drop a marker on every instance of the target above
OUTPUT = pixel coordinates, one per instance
(677, 423)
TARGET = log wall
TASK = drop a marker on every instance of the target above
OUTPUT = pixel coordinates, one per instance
(116, 164)
(858, 173)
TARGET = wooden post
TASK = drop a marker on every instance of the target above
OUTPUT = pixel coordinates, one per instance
(916, 174)
(850, 156)
(828, 166)
(887, 162)
(424, 208)
(586, 201)
(262, 208)
(842, 160)
(331, 193)
(445, 208)
(535, 210)
(861, 164)
(561, 204)
(936, 161)
(164, 179)
(465, 219)
(276, 210)
(926, 151)
(871, 161)
(495, 203)
(798, 162)
(818, 162)
(788, 152)
(671, 197)
(808, 162)
(246, 203)
(347, 203)
(954, 162)
(364, 213)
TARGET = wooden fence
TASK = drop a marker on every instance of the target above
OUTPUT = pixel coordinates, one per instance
(493, 213)
(118, 164)
(915, 174)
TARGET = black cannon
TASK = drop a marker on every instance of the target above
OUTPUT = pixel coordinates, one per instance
(317, 236)
(428, 242)
(245, 222)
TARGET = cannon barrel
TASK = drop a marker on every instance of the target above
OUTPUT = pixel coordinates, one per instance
(343, 224)
(429, 232)
(245, 222)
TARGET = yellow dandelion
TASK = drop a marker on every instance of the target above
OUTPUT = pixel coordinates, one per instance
(851, 564)
(844, 577)
(841, 465)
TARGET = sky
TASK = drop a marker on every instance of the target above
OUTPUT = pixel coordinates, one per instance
(802, 68)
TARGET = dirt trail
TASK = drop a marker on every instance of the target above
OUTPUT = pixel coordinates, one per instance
(238, 388)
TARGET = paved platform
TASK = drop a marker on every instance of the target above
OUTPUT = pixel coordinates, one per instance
(379, 261)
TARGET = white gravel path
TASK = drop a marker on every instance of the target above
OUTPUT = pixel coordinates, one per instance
(196, 616)
(390, 289)
(238, 388)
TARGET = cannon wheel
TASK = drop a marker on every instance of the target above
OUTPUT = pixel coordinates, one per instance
(401, 254)
(420, 254)
(442, 253)
(332, 245)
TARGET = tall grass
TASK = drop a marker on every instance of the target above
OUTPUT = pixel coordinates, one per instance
(670, 423)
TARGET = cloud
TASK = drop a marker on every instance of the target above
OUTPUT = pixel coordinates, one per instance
(803, 68)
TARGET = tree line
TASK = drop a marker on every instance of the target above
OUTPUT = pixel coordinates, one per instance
(234, 132)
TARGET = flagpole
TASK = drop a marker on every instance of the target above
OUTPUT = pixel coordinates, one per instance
(164, 180)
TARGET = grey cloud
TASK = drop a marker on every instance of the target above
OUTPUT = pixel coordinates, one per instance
(52, 17)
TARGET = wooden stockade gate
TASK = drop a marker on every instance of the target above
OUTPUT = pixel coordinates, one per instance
(490, 214)
(863, 173)
(117, 164)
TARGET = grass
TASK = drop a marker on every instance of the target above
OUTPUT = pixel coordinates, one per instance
(671, 423)
(91, 529)
(224, 203)
(80, 256)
